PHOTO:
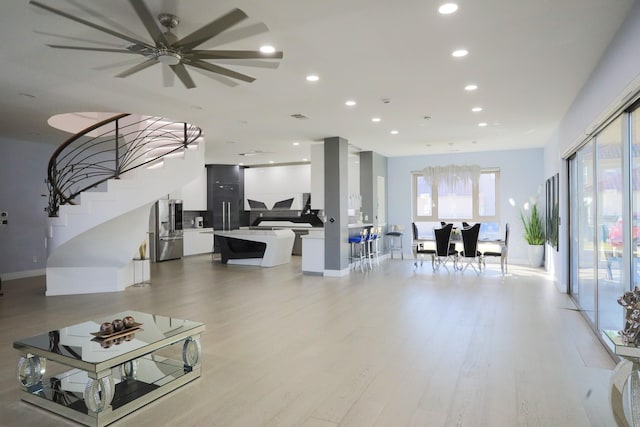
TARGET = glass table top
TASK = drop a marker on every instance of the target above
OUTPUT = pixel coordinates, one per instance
(76, 343)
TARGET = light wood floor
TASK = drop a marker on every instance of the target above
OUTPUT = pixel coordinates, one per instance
(392, 347)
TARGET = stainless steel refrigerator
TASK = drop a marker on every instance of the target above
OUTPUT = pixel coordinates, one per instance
(168, 233)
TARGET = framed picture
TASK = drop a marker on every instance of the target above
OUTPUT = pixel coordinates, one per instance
(553, 210)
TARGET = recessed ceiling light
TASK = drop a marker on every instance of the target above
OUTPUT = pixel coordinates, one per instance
(271, 161)
(471, 87)
(459, 53)
(476, 109)
(296, 143)
(448, 8)
(240, 164)
(376, 119)
(267, 49)
(482, 124)
(350, 103)
(394, 132)
(305, 160)
(313, 78)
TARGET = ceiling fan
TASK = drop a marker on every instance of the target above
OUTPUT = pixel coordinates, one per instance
(175, 52)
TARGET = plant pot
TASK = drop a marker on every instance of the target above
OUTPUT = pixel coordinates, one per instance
(536, 255)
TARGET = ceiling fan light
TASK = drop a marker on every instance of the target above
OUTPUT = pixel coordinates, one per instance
(267, 49)
(169, 58)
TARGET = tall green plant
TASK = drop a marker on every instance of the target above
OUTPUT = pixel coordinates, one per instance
(533, 226)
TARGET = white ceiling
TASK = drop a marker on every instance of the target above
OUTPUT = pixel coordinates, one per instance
(529, 59)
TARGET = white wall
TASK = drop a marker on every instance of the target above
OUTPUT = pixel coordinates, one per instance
(608, 86)
(271, 184)
(521, 176)
(23, 170)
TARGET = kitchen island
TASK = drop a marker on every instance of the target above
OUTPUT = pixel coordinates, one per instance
(266, 248)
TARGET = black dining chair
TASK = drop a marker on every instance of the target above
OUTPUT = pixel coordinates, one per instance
(444, 250)
(419, 250)
(504, 251)
(470, 254)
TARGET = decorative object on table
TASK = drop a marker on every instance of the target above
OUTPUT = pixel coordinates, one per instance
(116, 331)
(630, 301)
(142, 250)
(533, 225)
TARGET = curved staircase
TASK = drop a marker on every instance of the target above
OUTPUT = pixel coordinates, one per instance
(99, 216)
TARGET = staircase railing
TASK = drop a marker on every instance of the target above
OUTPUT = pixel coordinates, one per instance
(110, 148)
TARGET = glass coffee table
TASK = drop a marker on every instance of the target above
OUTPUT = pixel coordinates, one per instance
(96, 377)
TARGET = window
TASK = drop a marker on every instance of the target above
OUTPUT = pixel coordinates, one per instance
(445, 194)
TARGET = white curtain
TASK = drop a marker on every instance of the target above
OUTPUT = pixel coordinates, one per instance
(452, 175)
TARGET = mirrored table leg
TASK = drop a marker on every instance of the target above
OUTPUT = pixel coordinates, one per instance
(98, 393)
(191, 351)
(31, 370)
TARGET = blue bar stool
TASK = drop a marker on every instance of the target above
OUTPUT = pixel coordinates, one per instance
(358, 249)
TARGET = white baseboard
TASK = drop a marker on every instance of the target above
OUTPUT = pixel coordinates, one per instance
(337, 273)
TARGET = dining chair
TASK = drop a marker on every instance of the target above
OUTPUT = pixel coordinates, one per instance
(504, 251)
(419, 249)
(470, 253)
(444, 251)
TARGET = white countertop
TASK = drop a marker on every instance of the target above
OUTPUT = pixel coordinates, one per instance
(360, 225)
(189, 230)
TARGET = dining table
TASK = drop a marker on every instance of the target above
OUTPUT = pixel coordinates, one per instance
(484, 245)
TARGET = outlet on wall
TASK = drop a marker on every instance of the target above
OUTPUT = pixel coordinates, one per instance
(35, 258)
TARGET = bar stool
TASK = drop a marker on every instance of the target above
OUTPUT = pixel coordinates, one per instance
(395, 240)
(374, 246)
(358, 249)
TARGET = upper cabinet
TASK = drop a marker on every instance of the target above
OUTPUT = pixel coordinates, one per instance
(194, 194)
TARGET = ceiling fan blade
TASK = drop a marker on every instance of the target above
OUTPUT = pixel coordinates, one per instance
(233, 54)
(78, 39)
(107, 21)
(249, 63)
(211, 30)
(167, 76)
(141, 66)
(89, 24)
(92, 49)
(183, 75)
(220, 70)
(236, 34)
(117, 65)
(217, 77)
(149, 22)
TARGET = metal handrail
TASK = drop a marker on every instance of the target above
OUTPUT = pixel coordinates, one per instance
(109, 149)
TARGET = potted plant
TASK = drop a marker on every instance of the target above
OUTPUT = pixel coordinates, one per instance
(534, 235)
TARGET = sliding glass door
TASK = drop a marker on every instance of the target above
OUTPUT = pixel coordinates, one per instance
(604, 218)
(583, 282)
(611, 243)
